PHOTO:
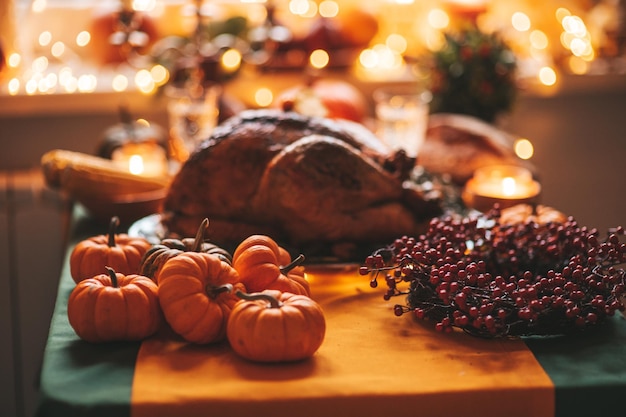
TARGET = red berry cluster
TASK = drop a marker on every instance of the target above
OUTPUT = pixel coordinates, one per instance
(491, 279)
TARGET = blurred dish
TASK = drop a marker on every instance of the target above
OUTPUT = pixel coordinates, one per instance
(128, 207)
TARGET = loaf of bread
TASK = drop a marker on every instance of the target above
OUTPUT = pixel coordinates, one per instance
(457, 145)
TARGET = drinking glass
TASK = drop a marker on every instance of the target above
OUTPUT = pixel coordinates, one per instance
(401, 118)
(193, 114)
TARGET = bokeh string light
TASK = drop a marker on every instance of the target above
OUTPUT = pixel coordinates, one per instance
(561, 37)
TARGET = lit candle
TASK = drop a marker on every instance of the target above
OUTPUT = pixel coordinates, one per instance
(147, 159)
(506, 185)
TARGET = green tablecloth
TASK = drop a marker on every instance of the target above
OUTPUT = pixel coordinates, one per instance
(80, 379)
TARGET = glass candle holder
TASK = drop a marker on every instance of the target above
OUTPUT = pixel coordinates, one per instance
(193, 114)
(401, 118)
(147, 159)
(507, 185)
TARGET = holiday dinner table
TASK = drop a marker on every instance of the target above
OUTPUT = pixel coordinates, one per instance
(370, 364)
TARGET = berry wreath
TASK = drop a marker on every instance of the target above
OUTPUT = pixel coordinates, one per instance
(492, 279)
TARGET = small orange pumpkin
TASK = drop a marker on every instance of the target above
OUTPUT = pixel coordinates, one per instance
(281, 253)
(114, 307)
(120, 251)
(274, 326)
(262, 264)
(196, 295)
(157, 255)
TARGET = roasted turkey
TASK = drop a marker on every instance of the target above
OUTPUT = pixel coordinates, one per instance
(319, 186)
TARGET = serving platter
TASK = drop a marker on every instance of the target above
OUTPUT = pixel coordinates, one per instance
(150, 228)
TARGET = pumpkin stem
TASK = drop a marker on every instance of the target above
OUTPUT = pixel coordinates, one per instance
(214, 291)
(535, 209)
(115, 222)
(286, 268)
(113, 276)
(273, 301)
(197, 243)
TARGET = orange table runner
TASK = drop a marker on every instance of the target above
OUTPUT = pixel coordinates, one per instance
(371, 364)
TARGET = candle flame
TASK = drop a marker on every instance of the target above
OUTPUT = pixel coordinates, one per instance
(135, 164)
(509, 186)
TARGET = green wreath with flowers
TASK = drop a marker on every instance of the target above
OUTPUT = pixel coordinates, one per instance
(473, 74)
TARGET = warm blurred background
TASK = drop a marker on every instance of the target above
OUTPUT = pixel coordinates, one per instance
(71, 70)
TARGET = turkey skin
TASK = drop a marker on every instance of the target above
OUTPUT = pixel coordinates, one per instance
(318, 186)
